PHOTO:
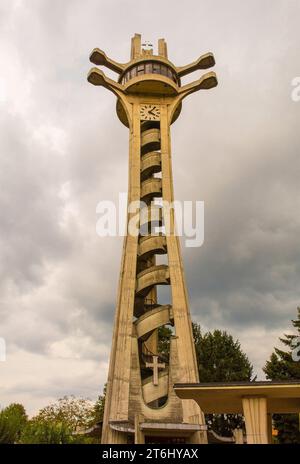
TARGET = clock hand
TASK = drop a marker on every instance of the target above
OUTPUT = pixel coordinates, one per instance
(151, 112)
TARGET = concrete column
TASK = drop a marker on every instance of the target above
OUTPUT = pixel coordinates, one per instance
(238, 436)
(255, 414)
(199, 437)
(139, 437)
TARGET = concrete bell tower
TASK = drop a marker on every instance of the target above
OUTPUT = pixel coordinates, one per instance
(141, 405)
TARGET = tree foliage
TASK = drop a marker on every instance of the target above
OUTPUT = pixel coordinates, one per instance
(98, 410)
(221, 359)
(12, 421)
(43, 431)
(73, 412)
(59, 422)
(164, 338)
(281, 366)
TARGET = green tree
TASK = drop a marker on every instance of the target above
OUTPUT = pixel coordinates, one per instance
(221, 359)
(73, 412)
(59, 421)
(98, 411)
(282, 366)
(39, 431)
(12, 421)
(43, 431)
(164, 338)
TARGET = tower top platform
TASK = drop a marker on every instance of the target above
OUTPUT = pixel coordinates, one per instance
(149, 75)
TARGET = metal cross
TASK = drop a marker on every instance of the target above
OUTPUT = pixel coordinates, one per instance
(147, 45)
(155, 365)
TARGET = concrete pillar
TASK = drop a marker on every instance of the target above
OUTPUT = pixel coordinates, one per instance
(139, 437)
(199, 437)
(255, 414)
(238, 436)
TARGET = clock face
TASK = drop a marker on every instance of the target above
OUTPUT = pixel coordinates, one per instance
(150, 112)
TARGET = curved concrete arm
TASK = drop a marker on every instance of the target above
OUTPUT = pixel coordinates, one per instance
(99, 57)
(203, 62)
(207, 81)
(97, 77)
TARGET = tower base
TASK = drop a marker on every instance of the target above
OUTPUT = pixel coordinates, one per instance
(156, 432)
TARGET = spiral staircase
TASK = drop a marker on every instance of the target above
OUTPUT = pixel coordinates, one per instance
(149, 314)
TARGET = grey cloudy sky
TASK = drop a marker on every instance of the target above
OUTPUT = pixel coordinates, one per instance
(62, 150)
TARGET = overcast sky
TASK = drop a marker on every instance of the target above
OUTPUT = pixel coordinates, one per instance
(62, 150)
